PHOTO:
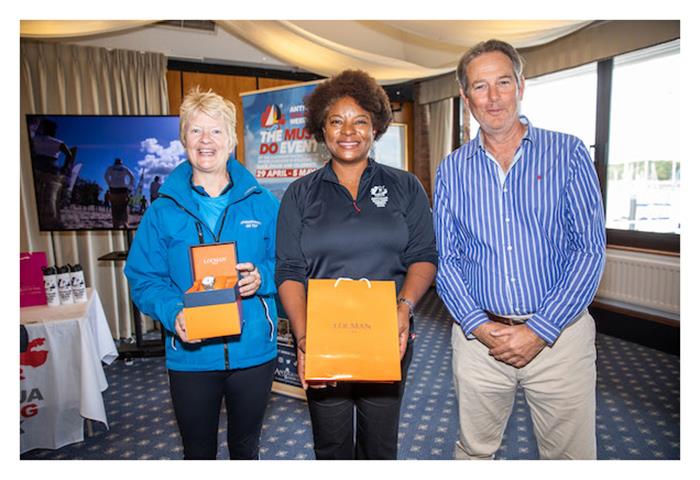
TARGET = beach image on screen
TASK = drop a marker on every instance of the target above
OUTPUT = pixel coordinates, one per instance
(100, 172)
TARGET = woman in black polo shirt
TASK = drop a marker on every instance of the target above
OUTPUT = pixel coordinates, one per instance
(354, 218)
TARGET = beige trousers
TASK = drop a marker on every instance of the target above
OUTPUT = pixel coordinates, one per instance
(559, 386)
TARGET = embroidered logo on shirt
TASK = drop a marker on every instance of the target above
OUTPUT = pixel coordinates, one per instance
(379, 195)
(250, 223)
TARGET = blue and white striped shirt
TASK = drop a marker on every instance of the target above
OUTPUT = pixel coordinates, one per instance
(531, 241)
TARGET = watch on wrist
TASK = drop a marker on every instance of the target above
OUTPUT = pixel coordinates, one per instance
(411, 305)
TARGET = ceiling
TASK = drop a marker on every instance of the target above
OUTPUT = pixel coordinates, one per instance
(392, 51)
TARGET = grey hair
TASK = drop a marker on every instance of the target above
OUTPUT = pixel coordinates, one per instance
(492, 45)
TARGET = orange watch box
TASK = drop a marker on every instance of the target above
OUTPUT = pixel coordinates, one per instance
(352, 331)
(213, 312)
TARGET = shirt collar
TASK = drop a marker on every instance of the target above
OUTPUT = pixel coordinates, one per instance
(527, 137)
(200, 190)
(329, 174)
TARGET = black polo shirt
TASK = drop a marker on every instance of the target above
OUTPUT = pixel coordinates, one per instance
(323, 233)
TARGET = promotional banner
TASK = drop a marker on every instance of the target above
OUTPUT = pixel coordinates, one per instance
(279, 149)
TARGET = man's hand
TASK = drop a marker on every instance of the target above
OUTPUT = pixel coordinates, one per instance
(483, 333)
(517, 345)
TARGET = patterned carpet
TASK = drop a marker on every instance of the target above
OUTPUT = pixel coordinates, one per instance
(638, 408)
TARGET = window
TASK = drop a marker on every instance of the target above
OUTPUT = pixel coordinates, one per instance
(563, 101)
(621, 108)
(643, 169)
(544, 96)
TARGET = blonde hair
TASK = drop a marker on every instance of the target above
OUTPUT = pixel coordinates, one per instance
(213, 105)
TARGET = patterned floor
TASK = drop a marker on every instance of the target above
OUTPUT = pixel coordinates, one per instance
(638, 408)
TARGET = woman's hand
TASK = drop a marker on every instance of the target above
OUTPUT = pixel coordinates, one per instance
(250, 279)
(404, 314)
(181, 330)
(301, 356)
(301, 370)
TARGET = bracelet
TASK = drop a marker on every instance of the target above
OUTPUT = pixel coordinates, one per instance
(411, 305)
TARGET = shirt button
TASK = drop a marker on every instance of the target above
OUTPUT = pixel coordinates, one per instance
(507, 219)
(505, 190)
(512, 279)
(510, 247)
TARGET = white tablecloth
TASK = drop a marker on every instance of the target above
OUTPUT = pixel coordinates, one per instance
(61, 375)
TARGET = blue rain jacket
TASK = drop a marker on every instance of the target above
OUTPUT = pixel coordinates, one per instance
(159, 271)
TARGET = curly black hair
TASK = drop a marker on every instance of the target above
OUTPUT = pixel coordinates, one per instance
(350, 83)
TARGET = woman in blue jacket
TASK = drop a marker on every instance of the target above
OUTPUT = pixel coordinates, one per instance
(211, 198)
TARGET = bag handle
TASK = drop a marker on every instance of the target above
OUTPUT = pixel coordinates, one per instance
(369, 284)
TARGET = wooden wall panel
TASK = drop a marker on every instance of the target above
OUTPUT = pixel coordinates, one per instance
(174, 79)
(228, 86)
(264, 82)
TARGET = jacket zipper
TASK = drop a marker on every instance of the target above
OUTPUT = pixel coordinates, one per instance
(216, 239)
(200, 234)
(201, 240)
(223, 220)
(359, 192)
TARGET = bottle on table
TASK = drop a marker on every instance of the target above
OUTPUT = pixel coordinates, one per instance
(65, 292)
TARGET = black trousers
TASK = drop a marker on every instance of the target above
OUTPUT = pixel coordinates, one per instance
(374, 407)
(119, 198)
(197, 403)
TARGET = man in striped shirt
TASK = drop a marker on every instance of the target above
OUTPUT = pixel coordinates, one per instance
(521, 240)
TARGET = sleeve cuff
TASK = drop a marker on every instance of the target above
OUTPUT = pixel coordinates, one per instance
(544, 329)
(282, 276)
(473, 320)
(267, 281)
(429, 256)
(170, 314)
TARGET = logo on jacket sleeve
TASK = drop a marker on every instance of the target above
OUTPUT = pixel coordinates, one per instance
(379, 195)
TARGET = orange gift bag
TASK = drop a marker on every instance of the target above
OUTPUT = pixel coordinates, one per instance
(352, 331)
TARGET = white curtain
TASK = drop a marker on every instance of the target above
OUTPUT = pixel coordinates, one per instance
(68, 79)
(439, 134)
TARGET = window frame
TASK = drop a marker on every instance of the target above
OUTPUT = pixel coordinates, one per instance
(663, 242)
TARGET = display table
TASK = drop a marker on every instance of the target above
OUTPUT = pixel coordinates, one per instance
(61, 375)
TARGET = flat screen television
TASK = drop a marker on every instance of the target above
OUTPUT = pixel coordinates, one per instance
(100, 172)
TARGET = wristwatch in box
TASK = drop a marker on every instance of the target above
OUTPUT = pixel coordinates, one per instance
(208, 282)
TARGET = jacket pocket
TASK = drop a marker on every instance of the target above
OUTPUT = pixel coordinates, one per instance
(269, 312)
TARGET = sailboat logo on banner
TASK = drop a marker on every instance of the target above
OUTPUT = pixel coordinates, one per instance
(272, 116)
